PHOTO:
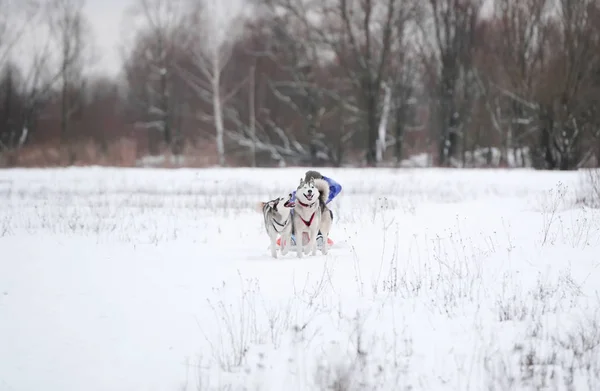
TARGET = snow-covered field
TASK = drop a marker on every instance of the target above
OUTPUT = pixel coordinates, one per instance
(114, 279)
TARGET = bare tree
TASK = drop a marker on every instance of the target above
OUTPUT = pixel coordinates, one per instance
(369, 31)
(11, 105)
(404, 76)
(539, 91)
(16, 19)
(566, 94)
(404, 86)
(450, 31)
(213, 34)
(296, 56)
(30, 82)
(360, 36)
(272, 119)
(151, 68)
(252, 111)
(70, 32)
(511, 56)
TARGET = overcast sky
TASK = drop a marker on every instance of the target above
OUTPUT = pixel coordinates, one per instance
(106, 17)
(109, 23)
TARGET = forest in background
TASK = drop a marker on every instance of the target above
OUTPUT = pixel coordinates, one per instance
(448, 83)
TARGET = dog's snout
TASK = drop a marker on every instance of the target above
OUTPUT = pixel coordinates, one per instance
(309, 191)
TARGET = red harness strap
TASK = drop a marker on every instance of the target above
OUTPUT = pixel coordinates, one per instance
(309, 222)
(305, 205)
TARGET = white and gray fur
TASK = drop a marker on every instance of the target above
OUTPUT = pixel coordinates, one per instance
(311, 215)
(278, 221)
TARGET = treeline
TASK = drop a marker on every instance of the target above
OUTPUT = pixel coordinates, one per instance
(318, 82)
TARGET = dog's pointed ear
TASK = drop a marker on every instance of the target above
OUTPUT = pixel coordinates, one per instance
(260, 206)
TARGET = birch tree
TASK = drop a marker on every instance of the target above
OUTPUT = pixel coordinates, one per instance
(273, 119)
(360, 36)
(368, 32)
(383, 123)
(213, 32)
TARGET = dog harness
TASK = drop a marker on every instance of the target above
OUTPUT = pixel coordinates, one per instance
(309, 222)
(282, 225)
(306, 205)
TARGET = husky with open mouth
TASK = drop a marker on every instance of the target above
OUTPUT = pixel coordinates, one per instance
(311, 214)
(278, 221)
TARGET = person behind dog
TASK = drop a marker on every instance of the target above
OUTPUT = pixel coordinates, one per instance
(334, 189)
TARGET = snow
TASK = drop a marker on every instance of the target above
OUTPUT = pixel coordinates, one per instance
(149, 279)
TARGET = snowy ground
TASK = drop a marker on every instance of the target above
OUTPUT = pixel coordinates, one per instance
(116, 279)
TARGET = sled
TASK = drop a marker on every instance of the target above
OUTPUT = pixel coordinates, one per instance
(305, 242)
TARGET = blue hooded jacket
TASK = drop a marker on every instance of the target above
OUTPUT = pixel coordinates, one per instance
(334, 189)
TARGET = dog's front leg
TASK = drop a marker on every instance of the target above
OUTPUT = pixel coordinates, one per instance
(299, 247)
(274, 246)
(313, 242)
(325, 240)
(285, 243)
(299, 241)
(308, 246)
(325, 227)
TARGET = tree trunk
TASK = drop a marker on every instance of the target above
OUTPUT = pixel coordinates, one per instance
(400, 125)
(164, 95)
(7, 120)
(545, 143)
(383, 121)
(64, 105)
(251, 104)
(444, 143)
(372, 125)
(218, 109)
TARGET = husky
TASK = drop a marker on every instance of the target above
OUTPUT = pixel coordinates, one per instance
(311, 214)
(278, 221)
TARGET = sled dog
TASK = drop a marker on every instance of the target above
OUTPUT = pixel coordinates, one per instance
(278, 221)
(311, 214)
